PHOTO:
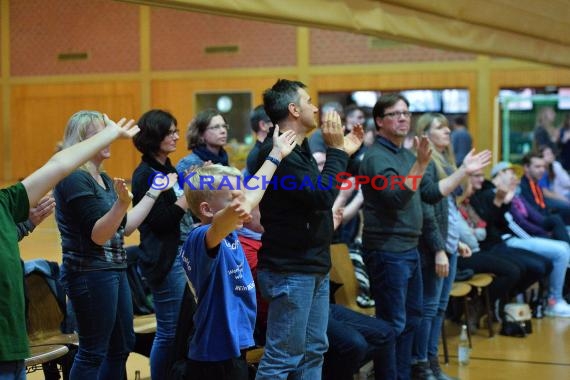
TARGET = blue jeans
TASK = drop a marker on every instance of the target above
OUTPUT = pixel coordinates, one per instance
(355, 338)
(103, 308)
(558, 252)
(436, 297)
(14, 370)
(396, 285)
(167, 298)
(296, 325)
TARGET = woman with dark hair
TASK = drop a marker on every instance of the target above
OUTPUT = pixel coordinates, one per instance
(206, 136)
(160, 231)
(92, 218)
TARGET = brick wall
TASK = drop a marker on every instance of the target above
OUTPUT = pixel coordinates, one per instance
(337, 48)
(41, 29)
(178, 40)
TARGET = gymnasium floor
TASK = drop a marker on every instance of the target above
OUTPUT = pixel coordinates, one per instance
(543, 355)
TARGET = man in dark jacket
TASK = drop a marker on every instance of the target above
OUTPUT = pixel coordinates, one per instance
(294, 259)
(556, 212)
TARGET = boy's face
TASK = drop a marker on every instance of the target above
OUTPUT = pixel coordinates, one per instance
(220, 200)
(223, 197)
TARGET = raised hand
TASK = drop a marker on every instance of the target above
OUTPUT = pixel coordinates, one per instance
(126, 129)
(475, 162)
(353, 141)
(123, 194)
(423, 149)
(43, 209)
(239, 205)
(333, 134)
(284, 142)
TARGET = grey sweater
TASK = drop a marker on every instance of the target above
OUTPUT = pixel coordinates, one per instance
(393, 216)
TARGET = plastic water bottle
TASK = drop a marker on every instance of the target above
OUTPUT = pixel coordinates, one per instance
(463, 350)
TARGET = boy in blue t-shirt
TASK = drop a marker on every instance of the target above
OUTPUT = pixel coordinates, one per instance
(215, 264)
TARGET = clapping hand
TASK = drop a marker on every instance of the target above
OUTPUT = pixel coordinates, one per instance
(123, 194)
(475, 162)
(333, 134)
(353, 141)
(423, 150)
(43, 209)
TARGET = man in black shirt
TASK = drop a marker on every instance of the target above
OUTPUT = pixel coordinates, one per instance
(294, 260)
(260, 124)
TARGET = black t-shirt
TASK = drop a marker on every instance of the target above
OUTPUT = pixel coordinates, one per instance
(81, 201)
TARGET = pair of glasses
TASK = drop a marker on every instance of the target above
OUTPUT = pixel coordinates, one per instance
(171, 133)
(218, 127)
(398, 114)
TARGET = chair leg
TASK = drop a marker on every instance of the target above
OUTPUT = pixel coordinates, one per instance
(489, 313)
(444, 343)
(466, 311)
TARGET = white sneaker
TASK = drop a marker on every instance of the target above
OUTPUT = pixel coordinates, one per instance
(559, 309)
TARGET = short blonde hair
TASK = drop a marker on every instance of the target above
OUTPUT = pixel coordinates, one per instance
(197, 192)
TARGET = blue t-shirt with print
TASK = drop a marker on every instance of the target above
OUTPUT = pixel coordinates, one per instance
(225, 316)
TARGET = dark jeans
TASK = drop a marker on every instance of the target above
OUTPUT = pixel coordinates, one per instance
(232, 369)
(103, 307)
(507, 274)
(558, 207)
(396, 286)
(354, 339)
(167, 299)
(533, 267)
(13, 370)
(556, 226)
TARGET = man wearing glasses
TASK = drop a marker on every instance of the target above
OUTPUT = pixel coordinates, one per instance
(392, 226)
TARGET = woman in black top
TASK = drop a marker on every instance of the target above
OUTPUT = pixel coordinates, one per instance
(92, 218)
(160, 231)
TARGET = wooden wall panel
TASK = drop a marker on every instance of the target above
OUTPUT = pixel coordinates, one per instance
(39, 114)
(530, 78)
(178, 97)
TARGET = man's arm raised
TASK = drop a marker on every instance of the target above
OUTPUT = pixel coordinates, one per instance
(64, 162)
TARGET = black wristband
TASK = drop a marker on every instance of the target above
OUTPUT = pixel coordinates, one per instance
(273, 159)
(151, 195)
